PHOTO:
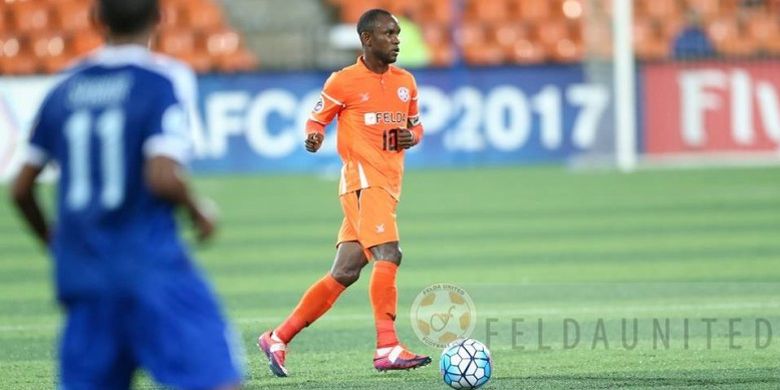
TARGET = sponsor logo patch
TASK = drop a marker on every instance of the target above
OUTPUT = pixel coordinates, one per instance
(319, 106)
(403, 94)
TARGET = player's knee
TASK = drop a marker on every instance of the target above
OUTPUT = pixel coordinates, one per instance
(388, 252)
(396, 255)
(346, 276)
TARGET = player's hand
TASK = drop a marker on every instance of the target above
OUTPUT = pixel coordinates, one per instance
(406, 139)
(313, 142)
(204, 219)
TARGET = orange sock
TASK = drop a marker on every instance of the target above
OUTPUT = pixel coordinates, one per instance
(384, 299)
(314, 303)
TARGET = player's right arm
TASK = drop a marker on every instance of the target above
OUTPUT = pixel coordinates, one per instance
(167, 150)
(25, 199)
(23, 190)
(331, 102)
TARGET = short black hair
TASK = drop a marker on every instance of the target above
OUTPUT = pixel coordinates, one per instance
(128, 16)
(367, 21)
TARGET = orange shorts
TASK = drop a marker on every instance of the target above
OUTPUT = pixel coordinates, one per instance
(369, 217)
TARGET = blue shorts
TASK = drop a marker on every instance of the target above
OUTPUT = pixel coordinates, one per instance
(172, 327)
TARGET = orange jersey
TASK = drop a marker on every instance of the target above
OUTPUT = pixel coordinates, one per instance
(369, 106)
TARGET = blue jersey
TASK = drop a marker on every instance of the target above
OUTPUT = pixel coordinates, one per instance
(117, 108)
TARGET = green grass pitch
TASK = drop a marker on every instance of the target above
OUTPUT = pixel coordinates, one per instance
(599, 249)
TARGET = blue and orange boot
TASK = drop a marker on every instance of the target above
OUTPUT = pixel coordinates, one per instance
(398, 358)
(275, 350)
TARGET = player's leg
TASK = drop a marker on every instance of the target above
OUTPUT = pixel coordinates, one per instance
(379, 232)
(321, 295)
(317, 300)
(390, 353)
(92, 349)
(383, 292)
(180, 336)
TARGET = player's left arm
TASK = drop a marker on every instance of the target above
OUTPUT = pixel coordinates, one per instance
(167, 150)
(167, 180)
(413, 133)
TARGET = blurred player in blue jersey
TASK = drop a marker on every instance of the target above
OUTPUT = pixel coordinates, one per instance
(117, 124)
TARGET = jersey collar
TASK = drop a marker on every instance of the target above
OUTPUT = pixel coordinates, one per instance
(361, 63)
(116, 55)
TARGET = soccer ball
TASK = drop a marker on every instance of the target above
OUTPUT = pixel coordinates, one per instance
(466, 364)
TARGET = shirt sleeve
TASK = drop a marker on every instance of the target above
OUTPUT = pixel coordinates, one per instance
(186, 89)
(40, 148)
(331, 102)
(415, 126)
(169, 128)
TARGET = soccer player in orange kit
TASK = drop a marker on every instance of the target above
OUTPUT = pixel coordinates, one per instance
(376, 104)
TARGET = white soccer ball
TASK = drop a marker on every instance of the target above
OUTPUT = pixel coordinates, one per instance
(466, 364)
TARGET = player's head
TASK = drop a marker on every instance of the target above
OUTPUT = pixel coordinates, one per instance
(126, 18)
(378, 30)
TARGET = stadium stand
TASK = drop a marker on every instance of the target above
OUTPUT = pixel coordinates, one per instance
(535, 31)
(44, 36)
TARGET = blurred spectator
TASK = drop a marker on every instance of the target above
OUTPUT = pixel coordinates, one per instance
(753, 3)
(693, 41)
(414, 51)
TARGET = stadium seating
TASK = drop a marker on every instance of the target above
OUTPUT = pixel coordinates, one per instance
(439, 41)
(224, 46)
(28, 16)
(16, 57)
(765, 31)
(71, 15)
(533, 31)
(438, 11)
(44, 36)
(649, 39)
(49, 50)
